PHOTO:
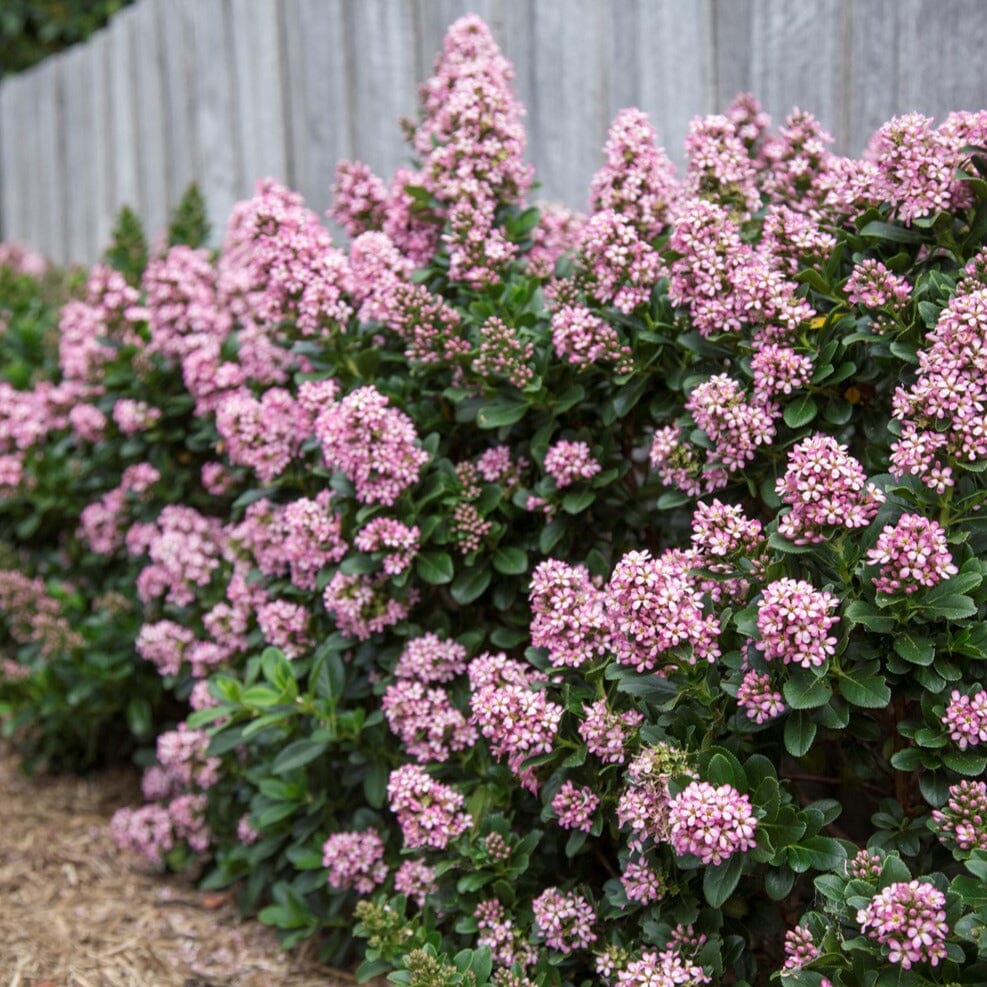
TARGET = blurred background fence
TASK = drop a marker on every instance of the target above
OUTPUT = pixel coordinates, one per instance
(225, 91)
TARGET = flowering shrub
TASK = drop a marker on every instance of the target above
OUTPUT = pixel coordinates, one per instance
(572, 599)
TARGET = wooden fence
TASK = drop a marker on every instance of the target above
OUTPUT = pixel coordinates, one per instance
(226, 91)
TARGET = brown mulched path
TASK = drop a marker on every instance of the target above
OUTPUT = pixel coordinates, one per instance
(75, 913)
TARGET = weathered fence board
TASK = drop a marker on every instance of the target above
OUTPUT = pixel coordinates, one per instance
(226, 91)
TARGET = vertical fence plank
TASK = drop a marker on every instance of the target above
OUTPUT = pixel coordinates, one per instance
(42, 81)
(871, 86)
(661, 46)
(10, 180)
(214, 91)
(152, 147)
(125, 144)
(101, 141)
(175, 59)
(79, 180)
(929, 80)
(260, 98)
(384, 90)
(321, 77)
(569, 119)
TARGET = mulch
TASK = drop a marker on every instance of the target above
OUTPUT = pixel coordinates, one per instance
(74, 912)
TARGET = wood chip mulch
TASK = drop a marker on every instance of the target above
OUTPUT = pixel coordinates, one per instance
(75, 913)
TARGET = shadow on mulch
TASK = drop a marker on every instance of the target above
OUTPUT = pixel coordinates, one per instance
(75, 913)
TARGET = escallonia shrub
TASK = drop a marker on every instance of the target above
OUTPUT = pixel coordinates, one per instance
(565, 599)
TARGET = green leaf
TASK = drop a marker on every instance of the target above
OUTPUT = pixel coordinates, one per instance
(500, 413)
(800, 412)
(434, 567)
(778, 882)
(470, 584)
(915, 648)
(720, 880)
(859, 612)
(299, 753)
(800, 731)
(952, 607)
(877, 230)
(803, 690)
(577, 501)
(510, 560)
(863, 689)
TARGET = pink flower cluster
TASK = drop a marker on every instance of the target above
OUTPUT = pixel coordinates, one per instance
(711, 823)
(962, 822)
(794, 620)
(430, 659)
(912, 554)
(826, 488)
(736, 426)
(564, 920)
(313, 538)
(429, 726)
(183, 304)
(569, 615)
(622, 269)
(262, 434)
(582, 339)
(719, 167)
(760, 701)
(778, 370)
(873, 285)
(363, 606)
(397, 541)
(910, 919)
(355, 861)
(504, 353)
(800, 949)
(574, 806)
(566, 462)
(606, 733)
(185, 548)
(429, 813)
(512, 713)
(638, 180)
(655, 607)
(285, 625)
(915, 166)
(372, 443)
(965, 719)
(942, 411)
(500, 935)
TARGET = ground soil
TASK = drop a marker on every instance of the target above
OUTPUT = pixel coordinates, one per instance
(75, 913)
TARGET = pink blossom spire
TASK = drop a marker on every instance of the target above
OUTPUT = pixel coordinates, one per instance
(638, 179)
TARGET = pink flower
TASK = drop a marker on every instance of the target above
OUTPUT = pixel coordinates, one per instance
(912, 554)
(574, 806)
(429, 813)
(355, 861)
(965, 719)
(711, 823)
(910, 919)
(564, 920)
(794, 620)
